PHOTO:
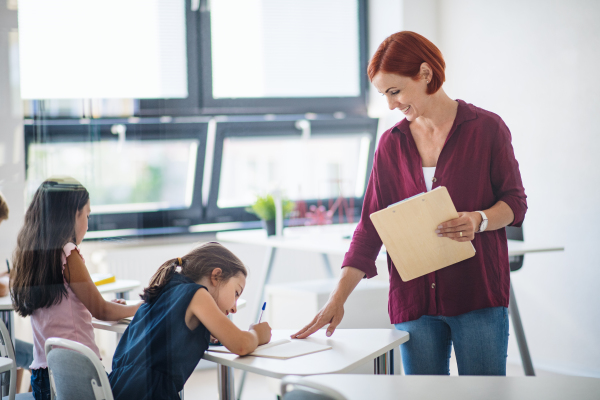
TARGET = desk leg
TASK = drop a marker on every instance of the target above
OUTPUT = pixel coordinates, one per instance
(122, 295)
(384, 364)
(269, 260)
(520, 334)
(328, 269)
(225, 378)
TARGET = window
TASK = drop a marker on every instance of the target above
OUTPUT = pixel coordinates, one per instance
(255, 158)
(138, 175)
(271, 56)
(140, 53)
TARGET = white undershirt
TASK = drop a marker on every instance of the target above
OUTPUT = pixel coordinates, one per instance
(428, 173)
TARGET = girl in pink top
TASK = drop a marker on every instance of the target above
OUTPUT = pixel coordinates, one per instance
(50, 281)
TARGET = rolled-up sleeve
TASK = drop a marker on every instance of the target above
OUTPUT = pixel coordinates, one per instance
(366, 244)
(506, 178)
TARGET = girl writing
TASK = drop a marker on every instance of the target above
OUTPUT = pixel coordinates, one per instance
(188, 299)
(50, 281)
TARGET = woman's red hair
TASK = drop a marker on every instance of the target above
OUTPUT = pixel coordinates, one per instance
(403, 53)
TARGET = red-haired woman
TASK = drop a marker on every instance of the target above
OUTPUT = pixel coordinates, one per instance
(440, 142)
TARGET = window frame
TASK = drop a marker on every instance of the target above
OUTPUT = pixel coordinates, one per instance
(192, 105)
(96, 130)
(283, 127)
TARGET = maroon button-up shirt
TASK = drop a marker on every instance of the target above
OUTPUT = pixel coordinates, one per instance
(478, 167)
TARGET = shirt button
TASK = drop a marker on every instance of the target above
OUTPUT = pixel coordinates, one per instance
(434, 179)
(433, 285)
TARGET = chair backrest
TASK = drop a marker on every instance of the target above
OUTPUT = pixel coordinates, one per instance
(6, 347)
(7, 350)
(515, 233)
(75, 372)
(302, 389)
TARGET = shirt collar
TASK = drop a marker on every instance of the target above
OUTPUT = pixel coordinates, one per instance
(465, 112)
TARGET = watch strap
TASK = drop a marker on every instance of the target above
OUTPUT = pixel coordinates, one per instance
(483, 224)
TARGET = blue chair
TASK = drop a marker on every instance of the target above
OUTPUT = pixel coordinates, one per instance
(8, 364)
(75, 372)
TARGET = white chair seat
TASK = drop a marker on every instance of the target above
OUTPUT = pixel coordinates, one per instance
(5, 364)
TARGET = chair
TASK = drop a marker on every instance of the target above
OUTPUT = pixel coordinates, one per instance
(303, 389)
(75, 372)
(7, 361)
(515, 233)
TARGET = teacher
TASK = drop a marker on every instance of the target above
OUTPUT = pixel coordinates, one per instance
(440, 142)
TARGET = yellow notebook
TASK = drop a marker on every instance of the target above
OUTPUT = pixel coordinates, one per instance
(103, 279)
(407, 229)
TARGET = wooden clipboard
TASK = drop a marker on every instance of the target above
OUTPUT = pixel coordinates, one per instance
(407, 230)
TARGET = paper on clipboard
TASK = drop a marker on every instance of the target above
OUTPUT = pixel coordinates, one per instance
(407, 229)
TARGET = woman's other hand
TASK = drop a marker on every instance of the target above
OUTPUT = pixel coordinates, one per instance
(263, 331)
(461, 229)
(119, 301)
(332, 314)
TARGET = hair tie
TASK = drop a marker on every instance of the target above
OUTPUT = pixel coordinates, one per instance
(179, 262)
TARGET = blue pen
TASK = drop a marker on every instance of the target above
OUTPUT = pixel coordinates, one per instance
(261, 313)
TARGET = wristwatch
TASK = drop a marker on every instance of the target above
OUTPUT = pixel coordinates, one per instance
(484, 222)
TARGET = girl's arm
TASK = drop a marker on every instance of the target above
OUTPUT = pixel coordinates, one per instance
(84, 288)
(203, 308)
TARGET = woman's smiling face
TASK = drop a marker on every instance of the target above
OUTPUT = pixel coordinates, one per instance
(403, 93)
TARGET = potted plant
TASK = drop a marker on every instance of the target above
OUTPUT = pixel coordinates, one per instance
(264, 208)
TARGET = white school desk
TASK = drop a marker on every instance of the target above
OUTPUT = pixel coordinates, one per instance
(360, 387)
(335, 239)
(351, 348)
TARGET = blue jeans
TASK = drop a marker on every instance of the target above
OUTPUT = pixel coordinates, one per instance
(480, 340)
(40, 384)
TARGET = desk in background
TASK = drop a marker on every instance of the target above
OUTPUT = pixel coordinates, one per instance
(120, 288)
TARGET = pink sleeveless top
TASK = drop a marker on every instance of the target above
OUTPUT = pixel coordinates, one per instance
(69, 319)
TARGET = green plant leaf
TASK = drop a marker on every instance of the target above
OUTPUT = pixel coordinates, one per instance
(264, 207)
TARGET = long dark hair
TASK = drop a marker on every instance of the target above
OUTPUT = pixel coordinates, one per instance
(37, 277)
(195, 265)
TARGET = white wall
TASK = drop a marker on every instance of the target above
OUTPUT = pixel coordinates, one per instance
(535, 63)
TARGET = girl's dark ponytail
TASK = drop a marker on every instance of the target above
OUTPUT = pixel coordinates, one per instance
(160, 279)
(195, 265)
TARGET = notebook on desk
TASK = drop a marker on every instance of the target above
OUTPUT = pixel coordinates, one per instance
(281, 349)
(407, 229)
